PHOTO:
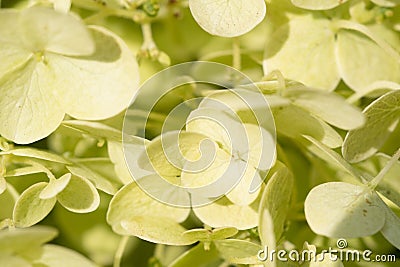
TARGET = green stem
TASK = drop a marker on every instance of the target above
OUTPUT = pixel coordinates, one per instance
(148, 41)
(120, 251)
(374, 183)
(159, 252)
(3, 169)
(280, 79)
(237, 60)
(97, 17)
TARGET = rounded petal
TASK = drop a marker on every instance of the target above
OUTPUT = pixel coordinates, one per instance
(98, 86)
(44, 29)
(304, 50)
(343, 210)
(228, 18)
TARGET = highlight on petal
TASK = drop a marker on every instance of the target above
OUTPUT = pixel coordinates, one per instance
(98, 86)
(228, 18)
(301, 58)
(44, 29)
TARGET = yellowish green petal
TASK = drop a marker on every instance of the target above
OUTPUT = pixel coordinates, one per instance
(362, 62)
(228, 18)
(301, 49)
(343, 210)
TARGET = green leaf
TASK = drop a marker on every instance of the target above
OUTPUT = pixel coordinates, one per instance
(294, 122)
(57, 256)
(79, 196)
(382, 116)
(30, 208)
(198, 255)
(282, 52)
(276, 199)
(30, 152)
(329, 107)
(238, 251)
(19, 240)
(43, 29)
(55, 186)
(317, 4)
(343, 210)
(145, 217)
(362, 62)
(226, 18)
(7, 201)
(95, 129)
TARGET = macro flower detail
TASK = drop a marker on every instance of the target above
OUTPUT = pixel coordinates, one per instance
(48, 71)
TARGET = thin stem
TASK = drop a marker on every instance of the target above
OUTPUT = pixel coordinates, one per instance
(120, 251)
(3, 169)
(280, 79)
(374, 183)
(237, 60)
(98, 16)
(159, 251)
(148, 42)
